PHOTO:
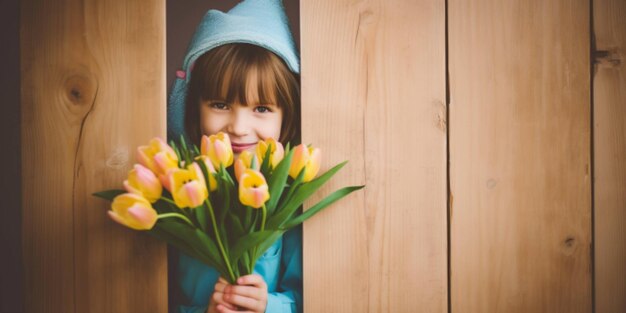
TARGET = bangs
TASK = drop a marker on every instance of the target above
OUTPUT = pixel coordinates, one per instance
(246, 76)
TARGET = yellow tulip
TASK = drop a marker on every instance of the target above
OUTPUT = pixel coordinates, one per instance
(277, 152)
(133, 211)
(141, 181)
(218, 149)
(253, 189)
(307, 159)
(207, 162)
(157, 156)
(244, 161)
(188, 186)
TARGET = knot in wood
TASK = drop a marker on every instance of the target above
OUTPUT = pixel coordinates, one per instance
(80, 90)
(569, 245)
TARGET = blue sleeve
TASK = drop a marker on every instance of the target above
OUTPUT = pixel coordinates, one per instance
(288, 297)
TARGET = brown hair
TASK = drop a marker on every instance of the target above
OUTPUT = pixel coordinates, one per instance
(222, 73)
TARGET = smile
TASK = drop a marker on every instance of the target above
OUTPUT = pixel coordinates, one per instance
(240, 147)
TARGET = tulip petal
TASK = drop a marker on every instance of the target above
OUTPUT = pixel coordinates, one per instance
(253, 189)
(299, 160)
(116, 217)
(144, 156)
(132, 211)
(240, 167)
(313, 165)
(142, 217)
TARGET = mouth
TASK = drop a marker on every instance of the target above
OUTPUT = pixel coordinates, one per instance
(240, 147)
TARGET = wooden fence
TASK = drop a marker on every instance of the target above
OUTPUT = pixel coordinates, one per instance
(490, 135)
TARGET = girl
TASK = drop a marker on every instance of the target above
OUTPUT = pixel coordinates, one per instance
(240, 76)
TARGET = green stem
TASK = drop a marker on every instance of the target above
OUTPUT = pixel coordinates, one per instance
(169, 201)
(219, 242)
(263, 218)
(178, 215)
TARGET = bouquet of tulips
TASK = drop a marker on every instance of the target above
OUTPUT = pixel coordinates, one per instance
(189, 198)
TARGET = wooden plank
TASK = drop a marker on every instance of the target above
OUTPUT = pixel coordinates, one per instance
(93, 88)
(373, 92)
(520, 156)
(609, 135)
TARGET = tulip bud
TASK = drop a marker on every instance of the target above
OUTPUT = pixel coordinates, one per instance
(133, 211)
(188, 187)
(211, 169)
(253, 189)
(218, 149)
(307, 159)
(277, 152)
(141, 181)
(157, 156)
(245, 161)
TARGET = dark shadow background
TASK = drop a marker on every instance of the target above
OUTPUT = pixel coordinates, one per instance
(11, 293)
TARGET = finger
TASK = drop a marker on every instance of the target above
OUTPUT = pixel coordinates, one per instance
(218, 298)
(223, 309)
(252, 279)
(220, 286)
(246, 291)
(244, 302)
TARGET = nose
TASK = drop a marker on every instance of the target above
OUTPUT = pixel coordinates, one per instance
(239, 125)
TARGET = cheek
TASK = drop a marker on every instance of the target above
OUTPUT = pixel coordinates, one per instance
(211, 123)
(272, 127)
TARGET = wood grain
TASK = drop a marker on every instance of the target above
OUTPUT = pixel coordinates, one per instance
(373, 92)
(609, 134)
(93, 89)
(520, 156)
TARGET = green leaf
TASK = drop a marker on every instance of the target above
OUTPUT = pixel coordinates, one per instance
(265, 165)
(173, 241)
(245, 259)
(175, 147)
(249, 241)
(277, 181)
(304, 192)
(332, 198)
(238, 229)
(266, 244)
(201, 215)
(205, 249)
(212, 247)
(185, 150)
(162, 206)
(109, 194)
(291, 190)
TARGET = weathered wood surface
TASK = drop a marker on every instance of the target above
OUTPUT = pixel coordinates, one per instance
(93, 89)
(520, 168)
(373, 92)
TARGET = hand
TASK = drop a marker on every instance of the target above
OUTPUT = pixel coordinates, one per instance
(250, 294)
(218, 297)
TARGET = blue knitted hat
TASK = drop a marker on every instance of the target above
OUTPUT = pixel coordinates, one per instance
(258, 22)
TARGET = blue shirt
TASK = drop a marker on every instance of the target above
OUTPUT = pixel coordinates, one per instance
(280, 266)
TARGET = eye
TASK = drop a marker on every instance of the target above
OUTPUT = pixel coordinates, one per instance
(219, 105)
(262, 109)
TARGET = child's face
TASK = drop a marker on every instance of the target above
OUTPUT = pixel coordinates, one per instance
(245, 125)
